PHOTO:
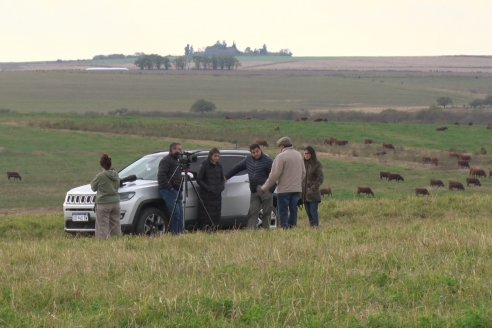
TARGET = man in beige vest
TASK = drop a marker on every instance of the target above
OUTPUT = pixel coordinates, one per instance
(288, 171)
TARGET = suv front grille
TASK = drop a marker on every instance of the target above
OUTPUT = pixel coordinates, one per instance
(81, 199)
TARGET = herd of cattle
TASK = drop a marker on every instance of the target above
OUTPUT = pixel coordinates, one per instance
(462, 160)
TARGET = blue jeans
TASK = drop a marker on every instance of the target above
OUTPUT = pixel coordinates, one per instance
(312, 213)
(169, 196)
(287, 209)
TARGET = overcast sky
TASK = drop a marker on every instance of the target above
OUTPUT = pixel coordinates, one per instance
(79, 29)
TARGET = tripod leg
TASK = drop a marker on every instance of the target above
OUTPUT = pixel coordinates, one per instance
(201, 201)
(176, 202)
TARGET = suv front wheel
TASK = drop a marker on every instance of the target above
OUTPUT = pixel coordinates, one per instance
(151, 221)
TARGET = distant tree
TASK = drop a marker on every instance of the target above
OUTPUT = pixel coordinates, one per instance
(476, 103)
(263, 50)
(197, 60)
(180, 63)
(166, 61)
(202, 106)
(444, 101)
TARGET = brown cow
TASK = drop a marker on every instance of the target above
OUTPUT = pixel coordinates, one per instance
(455, 185)
(304, 118)
(388, 146)
(325, 192)
(490, 173)
(318, 120)
(470, 123)
(436, 183)
(262, 142)
(456, 123)
(421, 191)
(384, 175)
(435, 161)
(228, 117)
(489, 126)
(380, 153)
(365, 190)
(14, 175)
(442, 128)
(483, 151)
(477, 172)
(463, 164)
(455, 155)
(396, 177)
(330, 141)
(426, 160)
(367, 141)
(341, 142)
(465, 157)
(473, 181)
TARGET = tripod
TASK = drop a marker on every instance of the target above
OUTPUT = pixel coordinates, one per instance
(183, 185)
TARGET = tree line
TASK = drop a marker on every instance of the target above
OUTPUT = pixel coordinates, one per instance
(154, 61)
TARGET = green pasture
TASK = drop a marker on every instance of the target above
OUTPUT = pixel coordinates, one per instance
(52, 161)
(80, 91)
(372, 263)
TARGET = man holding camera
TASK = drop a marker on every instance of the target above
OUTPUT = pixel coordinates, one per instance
(169, 180)
(258, 166)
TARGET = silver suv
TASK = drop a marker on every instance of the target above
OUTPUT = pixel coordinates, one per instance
(142, 210)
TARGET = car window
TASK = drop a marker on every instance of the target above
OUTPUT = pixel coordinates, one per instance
(145, 168)
(227, 161)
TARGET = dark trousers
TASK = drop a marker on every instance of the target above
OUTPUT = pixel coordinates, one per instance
(312, 213)
(177, 221)
(287, 209)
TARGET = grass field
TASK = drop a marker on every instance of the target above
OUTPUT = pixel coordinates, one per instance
(79, 92)
(382, 263)
(54, 160)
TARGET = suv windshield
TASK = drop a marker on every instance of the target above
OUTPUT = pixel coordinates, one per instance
(145, 168)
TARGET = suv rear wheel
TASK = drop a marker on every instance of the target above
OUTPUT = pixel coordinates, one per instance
(151, 221)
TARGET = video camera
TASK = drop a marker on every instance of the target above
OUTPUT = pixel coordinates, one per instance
(186, 158)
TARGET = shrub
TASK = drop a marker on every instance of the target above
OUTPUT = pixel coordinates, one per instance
(202, 105)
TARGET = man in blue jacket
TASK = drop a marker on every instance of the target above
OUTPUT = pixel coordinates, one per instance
(258, 166)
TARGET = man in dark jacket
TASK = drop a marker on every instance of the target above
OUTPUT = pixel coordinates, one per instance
(169, 180)
(258, 166)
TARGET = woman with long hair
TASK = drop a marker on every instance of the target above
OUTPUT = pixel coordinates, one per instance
(313, 179)
(211, 181)
(106, 185)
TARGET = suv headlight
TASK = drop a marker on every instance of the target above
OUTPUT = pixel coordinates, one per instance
(124, 196)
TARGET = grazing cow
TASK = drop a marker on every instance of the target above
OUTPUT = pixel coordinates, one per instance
(14, 175)
(330, 141)
(277, 128)
(304, 118)
(341, 142)
(388, 146)
(465, 157)
(436, 183)
(483, 151)
(470, 123)
(367, 141)
(473, 181)
(456, 123)
(262, 142)
(442, 128)
(463, 164)
(228, 117)
(435, 161)
(477, 172)
(365, 190)
(426, 160)
(396, 177)
(421, 191)
(318, 120)
(455, 185)
(384, 175)
(380, 153)
(455, 155)
(325, 192)
(489, 126)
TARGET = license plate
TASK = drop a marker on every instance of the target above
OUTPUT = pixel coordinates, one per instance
(80, 217)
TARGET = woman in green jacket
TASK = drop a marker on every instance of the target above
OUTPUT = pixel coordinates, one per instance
(106, 184)
(313, 179)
